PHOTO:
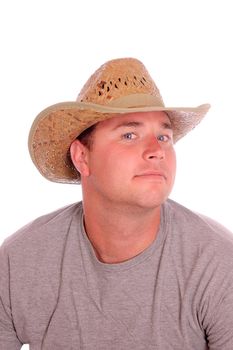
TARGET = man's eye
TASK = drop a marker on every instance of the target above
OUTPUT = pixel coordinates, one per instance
(129, 136)
(163, 138)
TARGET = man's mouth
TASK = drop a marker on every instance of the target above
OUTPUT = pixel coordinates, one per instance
(153, 174)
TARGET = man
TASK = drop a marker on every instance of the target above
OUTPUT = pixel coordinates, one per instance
(126, 268)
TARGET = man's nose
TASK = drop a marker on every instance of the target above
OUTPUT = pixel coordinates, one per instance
(153, 149)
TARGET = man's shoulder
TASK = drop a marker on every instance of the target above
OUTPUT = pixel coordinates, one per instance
(44, 228)
(198, 227)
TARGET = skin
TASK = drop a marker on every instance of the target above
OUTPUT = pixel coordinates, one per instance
(126, 175)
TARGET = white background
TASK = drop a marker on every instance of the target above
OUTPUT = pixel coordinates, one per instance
(49, 49)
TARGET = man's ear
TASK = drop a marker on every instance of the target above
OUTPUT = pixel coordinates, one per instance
(79, 156)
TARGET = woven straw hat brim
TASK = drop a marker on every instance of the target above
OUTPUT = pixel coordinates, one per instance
(57, 126)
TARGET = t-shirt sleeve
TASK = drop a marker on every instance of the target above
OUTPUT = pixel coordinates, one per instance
(219, 321)
(220, 330)
(8, 336)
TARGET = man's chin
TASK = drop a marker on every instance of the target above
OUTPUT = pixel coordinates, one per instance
(151, 201)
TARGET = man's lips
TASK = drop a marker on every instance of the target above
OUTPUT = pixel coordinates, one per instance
(152, 174)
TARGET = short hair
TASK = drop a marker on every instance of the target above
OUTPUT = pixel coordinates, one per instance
(86, 137)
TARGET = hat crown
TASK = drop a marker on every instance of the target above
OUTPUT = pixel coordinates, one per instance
(117, 79)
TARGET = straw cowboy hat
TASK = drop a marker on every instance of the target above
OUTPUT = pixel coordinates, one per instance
(119, 86)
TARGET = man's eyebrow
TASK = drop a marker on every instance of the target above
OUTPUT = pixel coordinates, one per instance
(128, 124)
(164, 125)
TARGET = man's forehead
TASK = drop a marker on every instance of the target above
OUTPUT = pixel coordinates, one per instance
(136, 119)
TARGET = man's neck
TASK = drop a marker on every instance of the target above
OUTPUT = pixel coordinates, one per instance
(119, 234)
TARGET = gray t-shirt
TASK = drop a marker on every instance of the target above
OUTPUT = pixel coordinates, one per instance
(177, 294)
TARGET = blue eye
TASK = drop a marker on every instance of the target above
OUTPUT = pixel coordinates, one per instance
(163, 138)
(128, 136)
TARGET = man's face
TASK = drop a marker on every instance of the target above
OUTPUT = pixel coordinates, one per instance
(132, 160)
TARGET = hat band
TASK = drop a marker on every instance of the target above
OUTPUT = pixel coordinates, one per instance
(136, 100)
